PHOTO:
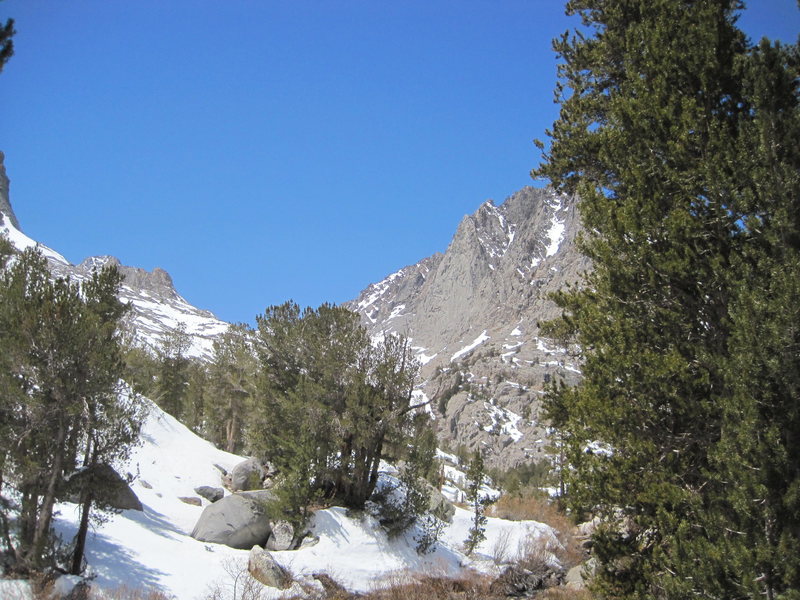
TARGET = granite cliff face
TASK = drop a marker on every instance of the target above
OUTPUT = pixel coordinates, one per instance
(156, 307)
(5, 205)
(472, 314)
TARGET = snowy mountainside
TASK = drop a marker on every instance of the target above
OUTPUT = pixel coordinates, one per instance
(153, 549)
(472, 314)
(156, 307)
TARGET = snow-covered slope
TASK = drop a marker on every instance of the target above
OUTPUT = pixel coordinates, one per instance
(153, 549)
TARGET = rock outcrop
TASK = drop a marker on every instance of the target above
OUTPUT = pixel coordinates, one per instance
(282, 536)
(473, 316)
(247, 475)
(210, 493)
(108, 488)
(5, 204)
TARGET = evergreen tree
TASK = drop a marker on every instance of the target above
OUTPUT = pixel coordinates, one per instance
(172, 380)
(756, 461)
(141, 368)
(232, 376)
(677, 137)
(320, 373)
(6, 43)
(62, 367)
(477, 503)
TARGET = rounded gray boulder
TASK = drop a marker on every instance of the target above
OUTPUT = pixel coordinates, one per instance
(247, 475)
(239, 520)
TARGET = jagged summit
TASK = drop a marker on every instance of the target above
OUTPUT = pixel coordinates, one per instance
(473, 313)
(156, 306)
(5, 205)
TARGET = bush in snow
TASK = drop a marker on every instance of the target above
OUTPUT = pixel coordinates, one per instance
(399, 504)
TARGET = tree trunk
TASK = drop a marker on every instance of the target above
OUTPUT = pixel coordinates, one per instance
(83, 528)
(230, 434)
(373, 476)
(87, 497)
(45, 516)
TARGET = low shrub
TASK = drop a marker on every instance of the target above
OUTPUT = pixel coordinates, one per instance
(410, 586)
(538, 507)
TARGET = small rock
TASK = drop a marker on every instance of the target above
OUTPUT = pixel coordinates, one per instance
(247, 475)
(574, 578)
(145, 485)
(282, 536)
(193, 500)
(518, 581)
(308, 541)
(330, 586)
(440, 506)
(588, 528)
(263, 568)
(212, 494)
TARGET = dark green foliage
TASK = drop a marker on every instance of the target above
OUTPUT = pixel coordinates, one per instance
(172, 378)
(477, 503)
(329, 402)
(141, 369)
(61, 404)
(533, 474)
(195, 398)
(6, 43)
(232, 380)
(415, 492)
(681, 141)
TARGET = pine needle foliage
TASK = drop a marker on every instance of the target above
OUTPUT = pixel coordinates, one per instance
(477, 503)
(680, 138)
(61, 407)
(329, 403)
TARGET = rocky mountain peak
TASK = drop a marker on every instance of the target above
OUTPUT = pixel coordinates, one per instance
(473, 316)
(156, 282)
(156, 306)
(5, 204)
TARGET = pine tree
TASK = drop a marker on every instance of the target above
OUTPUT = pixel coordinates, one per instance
(62, 415)
(112, 416)
(6, 43)
(232, 376)
(677, 137)
(477, 503)
(172, 381)
(320, 372)
(757, 459)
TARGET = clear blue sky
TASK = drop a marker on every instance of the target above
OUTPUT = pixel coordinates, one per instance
(261, 150)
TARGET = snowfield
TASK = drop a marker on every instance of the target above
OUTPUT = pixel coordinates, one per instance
(153, 549)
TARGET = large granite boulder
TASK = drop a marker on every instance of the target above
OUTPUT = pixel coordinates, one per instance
(439, 506)
(239, 520)
(247, 475)
(108, 488)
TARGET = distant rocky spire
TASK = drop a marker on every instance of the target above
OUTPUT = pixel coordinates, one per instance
(5, 205)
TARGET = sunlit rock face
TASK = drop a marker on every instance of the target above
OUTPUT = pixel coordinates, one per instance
(472, 314)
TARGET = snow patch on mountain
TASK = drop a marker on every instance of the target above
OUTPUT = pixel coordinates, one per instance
(23, 242)
(468, 348)
(156, 307)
